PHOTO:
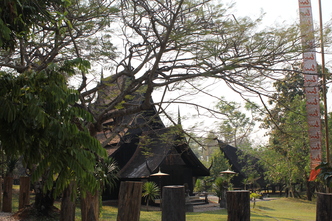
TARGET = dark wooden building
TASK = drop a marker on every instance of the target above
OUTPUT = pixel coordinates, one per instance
(162, 150)
(143, 145)
(238, 161)
(141, 153)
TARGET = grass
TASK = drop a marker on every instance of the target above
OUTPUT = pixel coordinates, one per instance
(16, 189)
(276, 209)
(282, 209)
(212, 215)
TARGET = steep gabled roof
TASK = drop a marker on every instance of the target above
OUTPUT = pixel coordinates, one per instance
(159, 147)
(232, 154)
(140, 142)
(114, 129)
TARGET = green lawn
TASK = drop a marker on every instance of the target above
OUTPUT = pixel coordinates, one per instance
(275, 209)
(281, 209)
(284, 209)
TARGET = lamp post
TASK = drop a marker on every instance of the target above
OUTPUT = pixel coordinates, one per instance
(160, 174)
(227, 173)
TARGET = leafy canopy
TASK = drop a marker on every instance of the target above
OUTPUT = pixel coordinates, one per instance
(17, 16)
(39, 120)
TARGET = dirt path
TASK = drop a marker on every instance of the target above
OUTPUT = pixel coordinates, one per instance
(6, 217)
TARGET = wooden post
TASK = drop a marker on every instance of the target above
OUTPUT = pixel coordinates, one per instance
(24, 197)
(0, 192)
(173, 203)
(7, 194)
(90, 207)
(238, 205)
(223, 200)
(67, 212)
(130, 197)
(324, 207)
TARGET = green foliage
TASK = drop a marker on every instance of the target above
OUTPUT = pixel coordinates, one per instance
(218, 163)
(219, 186)
(150, 192)
(106, 171)
(325, 173)
(69, 66)
(39, 122)
(205, 184)
(237, 126)
(252, 168)
(17, 17)
(255, 195)
(286, 158)
(198, 186)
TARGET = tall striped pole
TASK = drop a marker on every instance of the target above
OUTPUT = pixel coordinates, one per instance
(311, 86)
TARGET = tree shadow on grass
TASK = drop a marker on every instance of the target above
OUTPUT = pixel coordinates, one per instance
(258, 216)
(264, 208)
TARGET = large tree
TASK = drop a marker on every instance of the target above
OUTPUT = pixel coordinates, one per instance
(160, 45)
(40, 119)
(236, 127)
(16, 18)
(287, 154)
(173, 45)
(40, 123)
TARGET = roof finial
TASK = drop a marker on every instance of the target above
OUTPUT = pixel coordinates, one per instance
(179, 116)
(101, 74)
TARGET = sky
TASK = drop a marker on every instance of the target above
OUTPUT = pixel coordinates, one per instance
(278, 13)
(286, 11)
(282, 12)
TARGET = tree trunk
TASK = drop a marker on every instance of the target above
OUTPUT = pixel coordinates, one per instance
(90, 207)
(0, 192)
(223, 200)
(130, 196)
(43, 201)
(280, 190)
(273, 189)
(24, 198)
(238, 205)
(7, 194)
(67, 212)
(173, 203)
(324, 207)
(309, 190)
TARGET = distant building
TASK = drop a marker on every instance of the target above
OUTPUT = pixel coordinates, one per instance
(232, 155)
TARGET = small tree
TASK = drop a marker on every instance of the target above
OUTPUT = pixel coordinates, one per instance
(219, 187)
(254, 196)
(150, 191)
